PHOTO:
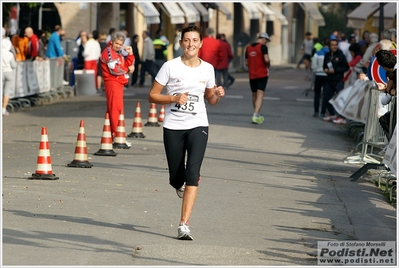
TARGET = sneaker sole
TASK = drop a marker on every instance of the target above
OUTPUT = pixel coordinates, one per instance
(186, 237)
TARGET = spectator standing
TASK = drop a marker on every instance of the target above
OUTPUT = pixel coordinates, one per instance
(230, 78)
(91, 54)
(128, 42)
(163, 37)
(306, 50)
(334, 65)
(42, 44)
(54, 48)
(116, 69)
(137, 60)
(393, 36)
(8, 66)
(388, 61)
(160, 51)
(21, 45)
(210, 51)
(147, 64)
(320, 76)
(110, 33)
(352, 74)
(34, 45)
(100, 38)
(81, 48)
(223, 66)
(258, 62)
(189, 81)
(177, 50)
(365, 62)
(364, 43)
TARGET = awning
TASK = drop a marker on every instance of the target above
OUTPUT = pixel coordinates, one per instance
(253, 10)
(225, 10)
(174, 12)
(270, 16)
(191, 13)
(279, 15)
(389, 16)
(149, 12)
(204, 12)
(358, 17)
(314, 13)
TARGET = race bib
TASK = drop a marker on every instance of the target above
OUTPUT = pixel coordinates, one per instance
(190, 107)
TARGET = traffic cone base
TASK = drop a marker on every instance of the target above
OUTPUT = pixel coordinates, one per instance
(136, 135)
(105, 152)
(80, 159)
(75, 163)
(120, 146)
(137, 128)
(106, 140)
(43, 177)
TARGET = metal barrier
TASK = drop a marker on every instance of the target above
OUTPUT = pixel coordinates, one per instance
(39, 81)
(373, 136)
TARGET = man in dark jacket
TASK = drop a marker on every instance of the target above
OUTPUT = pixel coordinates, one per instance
(334, 65)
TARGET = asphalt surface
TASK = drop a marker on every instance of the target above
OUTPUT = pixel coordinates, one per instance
(268, 192)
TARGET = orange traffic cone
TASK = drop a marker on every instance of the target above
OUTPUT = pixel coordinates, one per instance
(80, 159)
(161, 114)
(137, 128)
(152, 117)
(120, 135)
(43, 169)
(106, 140)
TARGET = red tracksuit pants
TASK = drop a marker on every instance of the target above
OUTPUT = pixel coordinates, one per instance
(114, 95)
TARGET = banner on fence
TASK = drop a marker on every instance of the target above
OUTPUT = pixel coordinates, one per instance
(353, 102)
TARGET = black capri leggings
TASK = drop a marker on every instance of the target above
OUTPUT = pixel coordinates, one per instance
(179, 142)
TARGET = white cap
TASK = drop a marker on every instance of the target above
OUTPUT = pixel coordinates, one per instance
(264, 35)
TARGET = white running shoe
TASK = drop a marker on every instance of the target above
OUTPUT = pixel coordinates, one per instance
(129, 144)
(184, 232)
(180, 192)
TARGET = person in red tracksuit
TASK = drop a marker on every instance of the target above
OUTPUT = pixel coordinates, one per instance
(115, 69)
(258, 62)
(211, 50)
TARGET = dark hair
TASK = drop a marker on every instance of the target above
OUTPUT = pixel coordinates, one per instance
(95, 34)
(218, 36)
(356, 48)
(386, 58)
(326, 41)
(191, 28)
(308, 33)
(111, 30)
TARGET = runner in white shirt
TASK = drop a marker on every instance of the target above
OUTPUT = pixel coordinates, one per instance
(189, 81)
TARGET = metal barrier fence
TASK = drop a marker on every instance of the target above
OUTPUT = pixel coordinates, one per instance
(39, 82)
(373, 135)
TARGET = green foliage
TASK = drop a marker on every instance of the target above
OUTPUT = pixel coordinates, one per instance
(335, 17)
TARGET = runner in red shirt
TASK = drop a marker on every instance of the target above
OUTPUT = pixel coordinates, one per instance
(33, 50)
(257, 60)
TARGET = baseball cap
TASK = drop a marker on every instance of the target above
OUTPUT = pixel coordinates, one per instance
(264, 35)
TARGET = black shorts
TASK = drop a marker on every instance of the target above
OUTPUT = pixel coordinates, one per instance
(307, 56)
(177, 144)
(258, 84)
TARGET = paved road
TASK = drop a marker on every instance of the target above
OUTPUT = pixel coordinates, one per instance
(269, 192)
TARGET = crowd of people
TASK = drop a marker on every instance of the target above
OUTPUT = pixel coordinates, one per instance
(336, 62)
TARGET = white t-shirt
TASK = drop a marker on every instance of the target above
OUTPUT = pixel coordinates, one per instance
(179, 78)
